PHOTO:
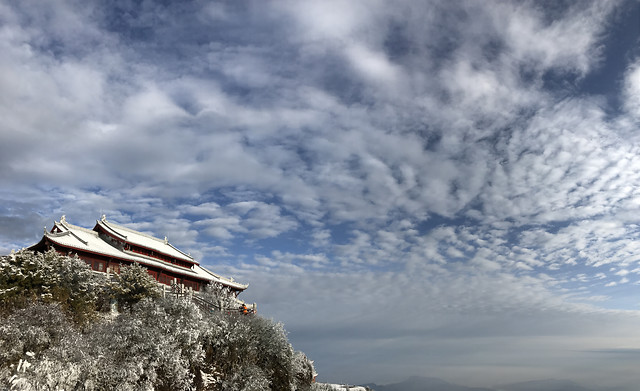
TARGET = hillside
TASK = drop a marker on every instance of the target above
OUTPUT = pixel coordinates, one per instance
(59, 331)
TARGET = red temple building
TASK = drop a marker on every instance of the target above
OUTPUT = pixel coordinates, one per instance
(108, 246)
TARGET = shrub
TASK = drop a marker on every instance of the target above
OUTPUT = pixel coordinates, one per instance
(158, 344)
(132, 285)
(146, 348)
(303, 372)
(218, 295)
(48, 277)
(33, 329)
(244, 352)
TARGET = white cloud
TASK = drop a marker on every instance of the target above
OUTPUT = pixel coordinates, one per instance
(452, 203)
(330, 20)
(569, 44)
(632, 90)
(149, 107)
(373, 65)
(252, 218)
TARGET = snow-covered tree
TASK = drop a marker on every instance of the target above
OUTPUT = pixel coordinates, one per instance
(220, 296)
(303, 372)
(159, 344)
(133, 284)
(251, 378)
(26, 276)
(33, 329)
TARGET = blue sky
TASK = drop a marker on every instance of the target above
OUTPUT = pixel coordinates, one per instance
(413, 188)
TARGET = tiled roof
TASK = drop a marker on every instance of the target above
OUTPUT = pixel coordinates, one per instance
(138, 238)
(83, 239)
(211, 276)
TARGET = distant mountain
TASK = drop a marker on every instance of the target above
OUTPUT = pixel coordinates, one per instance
(418, 383)
(542, 385)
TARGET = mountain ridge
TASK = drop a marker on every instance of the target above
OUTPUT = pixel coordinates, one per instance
(543, 385)
(423, 383)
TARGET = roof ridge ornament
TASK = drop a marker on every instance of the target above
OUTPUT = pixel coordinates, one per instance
(103, 217)
(166, 241)
(63, 219)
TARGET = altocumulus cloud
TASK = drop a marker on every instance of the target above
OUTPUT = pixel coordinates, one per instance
(412, 188)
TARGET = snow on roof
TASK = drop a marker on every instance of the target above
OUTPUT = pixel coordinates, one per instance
(213, 277)
(84, 239)
(138, 238)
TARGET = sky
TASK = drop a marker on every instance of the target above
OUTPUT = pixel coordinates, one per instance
(412, 187)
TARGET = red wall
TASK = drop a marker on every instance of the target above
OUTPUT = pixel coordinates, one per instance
(101, 263)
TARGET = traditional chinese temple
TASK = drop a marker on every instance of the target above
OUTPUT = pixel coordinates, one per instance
(108, 246)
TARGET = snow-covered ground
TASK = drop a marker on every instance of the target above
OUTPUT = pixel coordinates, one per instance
(341, 387)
